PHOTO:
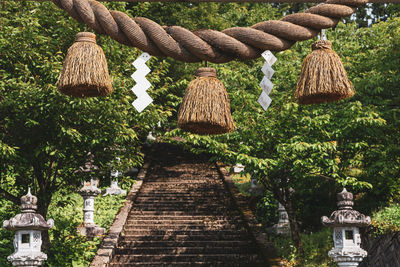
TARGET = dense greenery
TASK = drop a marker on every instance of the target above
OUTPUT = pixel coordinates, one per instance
(47, 137)
(68, 248)
(301, 154)
(304, 154)
(316, 247)
(386, 220)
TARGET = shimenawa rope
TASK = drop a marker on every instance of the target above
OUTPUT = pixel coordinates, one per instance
(209, 45)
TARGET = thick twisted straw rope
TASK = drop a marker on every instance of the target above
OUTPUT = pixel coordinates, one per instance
(209, 45)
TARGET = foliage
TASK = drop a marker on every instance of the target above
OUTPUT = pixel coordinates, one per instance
(374, 13)
(316, 247)
(304, 154)
(7, 211)
(309, 151)
(386, 219)
(264, 206)
(341, 142)
(375, 71)
(47, 137)
(68, 248)
(242, 182)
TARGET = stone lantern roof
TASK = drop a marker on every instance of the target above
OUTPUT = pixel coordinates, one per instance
(28, 219)
(345, 215)
(89, 189)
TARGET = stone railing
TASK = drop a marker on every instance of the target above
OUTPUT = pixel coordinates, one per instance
(383, 250)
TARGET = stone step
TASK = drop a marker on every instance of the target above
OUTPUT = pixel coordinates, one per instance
(180, 222)
(138, 212)
(191, 232)
(185, 184)
(177, 188)
(183, 217)
(184, 179)
(183, 250)
(196, 192)
(241, 263)
(181, 199)
(174, 264)
(135, 258)
(237, 237)
(188, 209)
(182, 190)
(186, 243)
(162, 194)
(198, 203)
(128, 227)
(180, 205)
(179, 182)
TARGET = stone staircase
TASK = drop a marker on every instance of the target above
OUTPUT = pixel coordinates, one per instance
(183, 215)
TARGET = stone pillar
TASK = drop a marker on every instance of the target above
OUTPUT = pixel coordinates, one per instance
(88, 209)
(283, 225)
(346, 236)
(88, 228)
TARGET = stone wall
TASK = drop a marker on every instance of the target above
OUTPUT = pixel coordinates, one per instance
(383, 250)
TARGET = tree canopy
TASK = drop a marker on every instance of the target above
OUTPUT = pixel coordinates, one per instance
(301, 154)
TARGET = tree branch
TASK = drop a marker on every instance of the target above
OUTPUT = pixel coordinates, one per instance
(8, 196)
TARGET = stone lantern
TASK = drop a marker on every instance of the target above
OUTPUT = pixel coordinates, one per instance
(255, 187)
(28, 227)
(346, 236)
(238, 168)
(114, 189)
(88, 228)
(283, 225)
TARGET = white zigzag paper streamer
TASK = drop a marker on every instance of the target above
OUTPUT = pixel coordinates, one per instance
(142, 84)
(265, 83)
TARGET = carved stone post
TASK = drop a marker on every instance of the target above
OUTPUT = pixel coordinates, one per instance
(88, 228)
(283, 225)
(28, 227)
(346, 236)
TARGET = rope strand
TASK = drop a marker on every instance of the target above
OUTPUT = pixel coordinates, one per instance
(242, 43)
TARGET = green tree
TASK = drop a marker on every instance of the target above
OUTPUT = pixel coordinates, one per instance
(373, 13)
(298, 152)
(47, 137)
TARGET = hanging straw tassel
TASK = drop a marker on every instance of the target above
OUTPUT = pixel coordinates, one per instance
(323, 77)
(205, 108)
(85, 71)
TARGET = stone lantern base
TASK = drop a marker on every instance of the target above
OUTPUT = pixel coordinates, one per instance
(281, 228)
(91, 230)
(32, 260)
(348, 264)
(347, 257)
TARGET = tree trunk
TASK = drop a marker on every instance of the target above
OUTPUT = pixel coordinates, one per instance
(43, 206)
(294, 229)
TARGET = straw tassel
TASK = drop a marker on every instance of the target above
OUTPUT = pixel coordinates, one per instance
(205, 108)
(323, 77)
(85, 71)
